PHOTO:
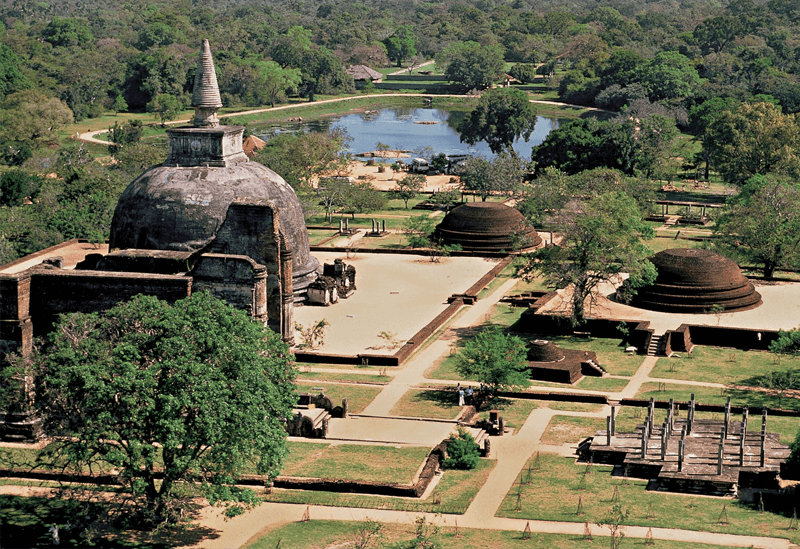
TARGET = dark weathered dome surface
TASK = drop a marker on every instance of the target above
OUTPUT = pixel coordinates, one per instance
(489, 226)
(182, 208)
(695, 281)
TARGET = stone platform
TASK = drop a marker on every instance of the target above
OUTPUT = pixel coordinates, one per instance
(709, 457)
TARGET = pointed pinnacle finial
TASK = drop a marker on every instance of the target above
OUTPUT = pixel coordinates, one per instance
(205, 96)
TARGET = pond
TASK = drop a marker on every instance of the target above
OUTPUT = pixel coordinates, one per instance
(412, 129)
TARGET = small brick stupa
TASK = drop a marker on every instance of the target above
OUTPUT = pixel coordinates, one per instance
(696, 281)
(548, 362)
(487, 226)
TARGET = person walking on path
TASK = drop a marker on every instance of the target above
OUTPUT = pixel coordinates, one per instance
(461, 397)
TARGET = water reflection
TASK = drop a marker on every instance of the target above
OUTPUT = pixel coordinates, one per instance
(411, 129)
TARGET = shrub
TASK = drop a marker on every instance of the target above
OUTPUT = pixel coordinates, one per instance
(462, 451)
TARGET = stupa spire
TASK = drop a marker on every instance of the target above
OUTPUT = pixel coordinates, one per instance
(205, 96)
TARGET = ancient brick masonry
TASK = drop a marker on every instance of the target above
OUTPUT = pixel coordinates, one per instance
(696, 281)
(487, 226)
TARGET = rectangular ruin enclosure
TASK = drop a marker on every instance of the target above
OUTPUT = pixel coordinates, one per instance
(714, 460)
(396, 294)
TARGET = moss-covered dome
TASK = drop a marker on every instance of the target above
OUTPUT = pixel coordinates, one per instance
(696, 281)
(487, 226)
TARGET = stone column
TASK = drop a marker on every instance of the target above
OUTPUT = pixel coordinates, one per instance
(613, 421)
(608, 431)
(680, 455)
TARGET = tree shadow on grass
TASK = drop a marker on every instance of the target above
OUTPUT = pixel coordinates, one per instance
(442, 399)
(27, 520)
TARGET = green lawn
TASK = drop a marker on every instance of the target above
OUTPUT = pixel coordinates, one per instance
(358, 396)
(608, 384)
(554, 490)
(456, 490)
(318, 377)
(322, 534)
(719, 365)
(354, 462)
(504, 315)
(513, 410)
(427, 403)
(660, 244)
(571, 429)
(710, 395)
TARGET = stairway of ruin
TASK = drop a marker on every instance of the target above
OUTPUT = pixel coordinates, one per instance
(656, 345)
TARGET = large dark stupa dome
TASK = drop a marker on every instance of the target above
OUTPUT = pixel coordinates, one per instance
(487, 226)
(695, 281)
(181, 204)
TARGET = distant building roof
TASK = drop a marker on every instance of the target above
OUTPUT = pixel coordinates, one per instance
(253, 144)
(363, 72)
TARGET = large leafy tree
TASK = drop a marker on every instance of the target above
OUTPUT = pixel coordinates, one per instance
(494, 358)
(670, 75)
(165, 394)
(472, 65)
(701, 117)
(11, 78)
(301, 157)
(401, 45)
(589, 143)
(754, 139)
(762, 224)
(601, 239)
(501, 117)
(502, 174)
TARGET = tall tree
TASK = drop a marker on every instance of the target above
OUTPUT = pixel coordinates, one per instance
(601, 240)
(401, 45)
(472, 65)
(275, 80)
(504, 173)
(762, 224)
(195, 392)
(701, 117)
(501, 117)
(496, 359)
(755, 139)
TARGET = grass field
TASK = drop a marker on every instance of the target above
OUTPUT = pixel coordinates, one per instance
(727, 366)
(358, 396)
(318, 377)
(320, 534)
(354, 462)
(456, 490)
(427, 403)
(571, 429)
(514, 411)
(712, 395)
(555, 487)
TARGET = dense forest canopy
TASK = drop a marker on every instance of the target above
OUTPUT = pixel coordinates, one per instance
(89, 53)
(696, 66)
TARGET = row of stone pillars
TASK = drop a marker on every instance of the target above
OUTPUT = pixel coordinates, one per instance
(668, 428)
(378, 227)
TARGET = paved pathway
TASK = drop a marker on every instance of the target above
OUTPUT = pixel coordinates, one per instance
(511, 452)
